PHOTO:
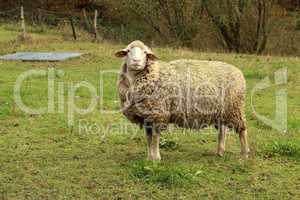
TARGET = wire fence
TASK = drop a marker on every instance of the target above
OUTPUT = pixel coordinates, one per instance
(38, 20)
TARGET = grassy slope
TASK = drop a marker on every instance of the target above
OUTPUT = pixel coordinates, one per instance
(41, 158)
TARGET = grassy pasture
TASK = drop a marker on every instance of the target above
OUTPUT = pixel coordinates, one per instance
(42, 158)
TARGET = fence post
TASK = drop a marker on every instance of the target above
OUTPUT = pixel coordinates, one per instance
(86, 20)
(95, 26)
(23, 23)
(73, 28)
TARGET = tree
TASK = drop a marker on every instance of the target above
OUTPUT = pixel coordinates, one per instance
(173, 20)
(241, 23)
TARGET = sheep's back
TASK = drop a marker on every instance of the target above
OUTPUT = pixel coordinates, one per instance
(204, 90)
(194, 73)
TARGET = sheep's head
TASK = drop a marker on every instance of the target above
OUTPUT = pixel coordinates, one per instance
(137, 55)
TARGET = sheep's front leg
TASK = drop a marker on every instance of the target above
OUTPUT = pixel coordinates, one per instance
(155, 145)
(149, 131)
(153, 137)
(221, 140)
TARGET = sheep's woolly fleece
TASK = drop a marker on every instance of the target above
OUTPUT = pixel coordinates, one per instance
(188, 93)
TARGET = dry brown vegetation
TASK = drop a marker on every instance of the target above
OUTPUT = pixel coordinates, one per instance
(241, 26)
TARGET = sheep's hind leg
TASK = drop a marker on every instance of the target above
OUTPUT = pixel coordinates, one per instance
(155, 145)
(221, 139)
(244, 143)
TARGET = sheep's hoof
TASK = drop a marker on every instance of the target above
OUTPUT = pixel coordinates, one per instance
(149, 157)
(244, 156)
(220, 154)
(154, 158)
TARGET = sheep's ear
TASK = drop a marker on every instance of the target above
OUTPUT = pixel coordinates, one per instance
(150, 54)
(122, 53)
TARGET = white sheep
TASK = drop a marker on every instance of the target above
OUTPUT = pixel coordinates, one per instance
(188, 93)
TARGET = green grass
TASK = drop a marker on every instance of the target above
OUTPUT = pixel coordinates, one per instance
(42, 158)
(284, 148)
(164, 176)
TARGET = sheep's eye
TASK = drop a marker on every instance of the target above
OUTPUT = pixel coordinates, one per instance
(145, 52)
